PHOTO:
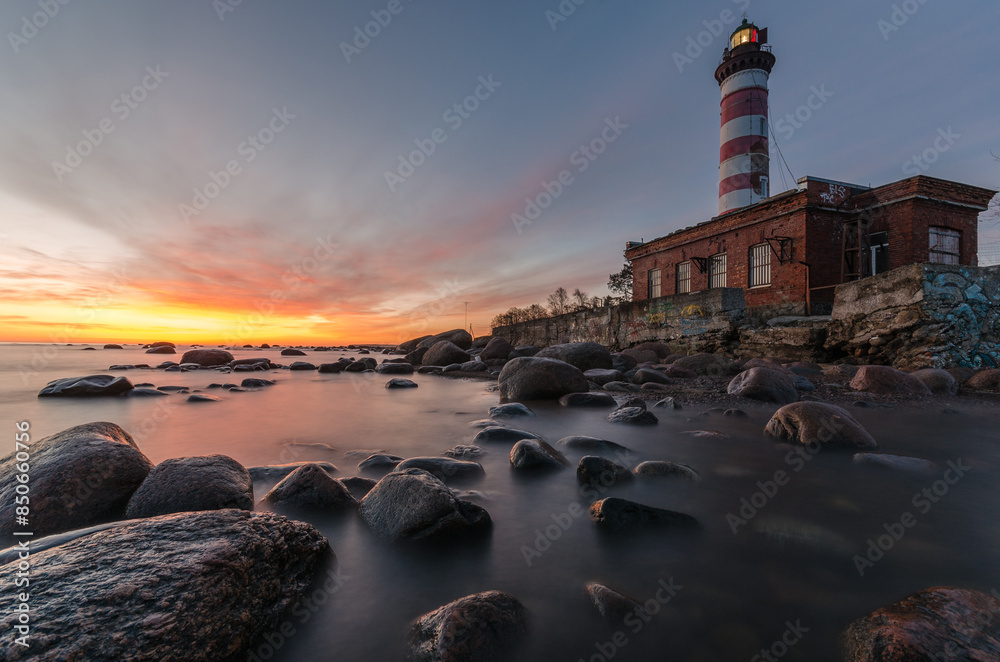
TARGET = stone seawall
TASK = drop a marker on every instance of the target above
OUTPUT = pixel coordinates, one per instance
(709, 319)
(920, 316)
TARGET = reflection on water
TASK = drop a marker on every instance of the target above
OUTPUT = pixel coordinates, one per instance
(793, 560)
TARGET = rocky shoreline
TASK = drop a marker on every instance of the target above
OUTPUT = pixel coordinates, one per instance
(167, 535)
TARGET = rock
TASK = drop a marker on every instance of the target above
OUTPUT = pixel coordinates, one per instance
(379, 462)
(207, 357)
(764, 384)
(661, 350)
(474, 366)
(663, 469)
(502, 434)
(938, 381)
(524, 350)
(251, 382)
(486, 627)
(87, 387)
(668, 403)
(310, 488)
(292, 352)
(710, 365)
(416, 357)
(356, 366)
(802, 383)
(842, 371)
(302, 365)
(595, 470)
(602, 377)
(357, 486)
(396, 382)
(410, 345)
(510, 410)
(259, 360)
(214, 482)
(633, 416)
(80, 477)
(613, 606)
(201, 397)
(590, 399)
(623, 362)
(897, 462)
(735, 413)
(621, 387)
(618, 514)
(279, 471)
(135, 591)
(414, 505)
(331, 368)
(985, 380)
(592, 444)
(172, 389)
(395, 369)
(539, 379)
(112, 346)
(883, 380)
(819, 423)
(678, 372)
(535, 454)
(445, 353)
(497, 348)
(936, 623)
(145, 393)
(161, 350)
(444, 468)
(649, 376)
(458, 337)
(462, 451)
(157, 345)
(582, 355)
(641, 355)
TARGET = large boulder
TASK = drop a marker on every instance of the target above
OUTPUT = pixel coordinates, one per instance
(458, 337)
(414, 505)
(764, 384)
(445, 353)
(641, 356)
(535, 378)
(395, 369)
(207, 357)
(80, 477)
(310, 488)
(649, 376)
(486, 627)
(497, 348)
(708, 365)
(201, 587)
(444, 468)
(93, 386)
(410, 345)
(582, 355)
(619, 514)
(941, 623)
(214, 482)
(820, 424)
(883, 380)
(162, 349)
(985, 380)
(939, 381)
(601, 377)
(291, 351)
(600, 472)
(501, 434)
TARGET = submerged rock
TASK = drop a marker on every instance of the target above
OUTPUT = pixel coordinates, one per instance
(444, 468)
(633, 416)
(80, 477)
(310, 488)
(535, 454)
(486, 627)
(502, 434)
(207, 357)
(592, 444)
(610, 604)
(292, 352)
(358, 486)
(827, 425)
(396, 382)
(510, 410)
(897, 462)
(414, 505)
(619, 514)
(200, 587)
(213, 482)
(279, 471)
(936, 623)
(379, 462)
(395, 369)
(598, 471)
(664, 469)
(590, 399)
(87, 387)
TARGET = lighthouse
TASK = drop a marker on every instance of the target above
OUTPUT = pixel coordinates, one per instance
(744, 161)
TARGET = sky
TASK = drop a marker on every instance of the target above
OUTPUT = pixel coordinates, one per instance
(226, 171)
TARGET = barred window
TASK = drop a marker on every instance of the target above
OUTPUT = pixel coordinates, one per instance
(683, 278)
(760, 265)
(654, 284)
(717, 271)
(945, 244)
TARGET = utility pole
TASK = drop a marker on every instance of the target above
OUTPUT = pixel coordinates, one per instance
(466, 314)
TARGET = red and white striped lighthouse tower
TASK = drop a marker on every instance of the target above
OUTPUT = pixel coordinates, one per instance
(744, 160)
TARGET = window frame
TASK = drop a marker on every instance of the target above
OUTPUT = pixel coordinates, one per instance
(754, 269)
(659, 283)
(941, 231)
(687, 267)
(713, 274)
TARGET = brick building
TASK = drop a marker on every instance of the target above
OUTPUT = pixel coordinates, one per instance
(789, 251)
